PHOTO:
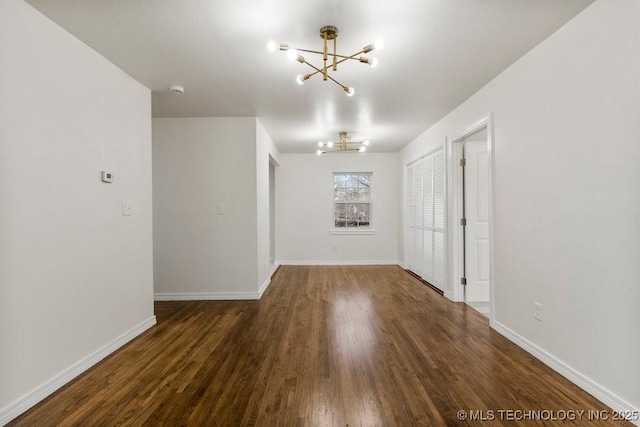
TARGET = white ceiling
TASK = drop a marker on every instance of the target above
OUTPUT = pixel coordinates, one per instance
(437, 53)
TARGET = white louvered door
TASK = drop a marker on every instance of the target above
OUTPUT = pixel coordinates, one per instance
(419, 207)
(425, 210)
(439, 197)
(410, 235)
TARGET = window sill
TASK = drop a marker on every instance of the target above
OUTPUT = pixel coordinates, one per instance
(336, 231)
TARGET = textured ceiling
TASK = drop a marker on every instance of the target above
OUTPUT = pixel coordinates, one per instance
(437, 53)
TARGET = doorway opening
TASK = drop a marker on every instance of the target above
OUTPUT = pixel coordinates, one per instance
(470, 216)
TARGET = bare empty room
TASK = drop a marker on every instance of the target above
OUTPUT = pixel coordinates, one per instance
(319, 213)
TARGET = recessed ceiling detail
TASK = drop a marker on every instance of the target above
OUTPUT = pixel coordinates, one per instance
(330, 60)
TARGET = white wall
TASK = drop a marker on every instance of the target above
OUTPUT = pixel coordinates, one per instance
(567, 208)
(75, 275)
(198, 164)
(265, 148)
(304, 209)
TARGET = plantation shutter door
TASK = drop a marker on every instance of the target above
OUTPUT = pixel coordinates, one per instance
(439, 200)
(425, 213)
(410, 236)
(427, 219)
(418, 217)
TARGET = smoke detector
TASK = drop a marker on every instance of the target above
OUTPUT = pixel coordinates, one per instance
(176, 89)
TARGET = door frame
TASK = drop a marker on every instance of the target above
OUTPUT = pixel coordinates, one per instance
(455, 243)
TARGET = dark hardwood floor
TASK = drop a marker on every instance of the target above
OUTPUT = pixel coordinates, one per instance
(326, 346)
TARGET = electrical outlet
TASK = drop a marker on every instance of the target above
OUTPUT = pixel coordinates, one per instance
(220, 209)
(537, 311)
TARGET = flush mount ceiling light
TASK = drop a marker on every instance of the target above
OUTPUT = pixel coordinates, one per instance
(330, 59)
(343, 145)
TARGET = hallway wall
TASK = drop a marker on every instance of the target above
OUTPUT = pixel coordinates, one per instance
(567, 205)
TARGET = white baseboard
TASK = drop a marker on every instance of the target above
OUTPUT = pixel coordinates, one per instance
(481, 307)
(206, 296)
(264, 287)
(216, 296)
(38, 394)
(579, 379)
(339, 262)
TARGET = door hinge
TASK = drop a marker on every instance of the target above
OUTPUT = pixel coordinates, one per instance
(463, 280)
(463, 222)
(463, 162)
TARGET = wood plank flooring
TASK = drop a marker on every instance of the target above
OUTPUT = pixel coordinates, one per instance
(326, 346)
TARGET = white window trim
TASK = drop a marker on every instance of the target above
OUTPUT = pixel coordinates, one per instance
(340, 231)
(347, 231)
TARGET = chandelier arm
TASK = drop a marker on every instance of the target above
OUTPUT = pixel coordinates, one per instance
(318, 70)
(337, 82)
(307, 50)
(345, 58)
(317, 52)
(340, 150)
(324, 58)
(352, 56)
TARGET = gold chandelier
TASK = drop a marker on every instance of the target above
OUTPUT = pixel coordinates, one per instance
(343, 145)
(330, 60)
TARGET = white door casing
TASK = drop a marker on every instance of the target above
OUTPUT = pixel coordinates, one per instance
(455, 243)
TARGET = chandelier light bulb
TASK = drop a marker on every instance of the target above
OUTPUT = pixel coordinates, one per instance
(373, 62)
(362, 149)
(300, 79)
(330, 144)
(272, 46)
(350, 91)
(320, 144)
(378, 44)
(366, 142)
(292, 54)
(319, 152)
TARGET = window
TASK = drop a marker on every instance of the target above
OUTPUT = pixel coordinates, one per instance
(352, 201)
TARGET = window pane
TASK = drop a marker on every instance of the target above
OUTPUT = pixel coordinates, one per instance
(365, 195)
(340, 215)
(352, 181)
(339, 181)
(352, 215)
(340, 195)
(363, 219)
(365, 180)
(352, 195)
(357, 215)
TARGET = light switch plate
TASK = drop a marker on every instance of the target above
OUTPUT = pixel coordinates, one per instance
(537, 311)
(127, 209)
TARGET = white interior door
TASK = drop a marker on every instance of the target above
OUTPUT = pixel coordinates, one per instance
(476, 182)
